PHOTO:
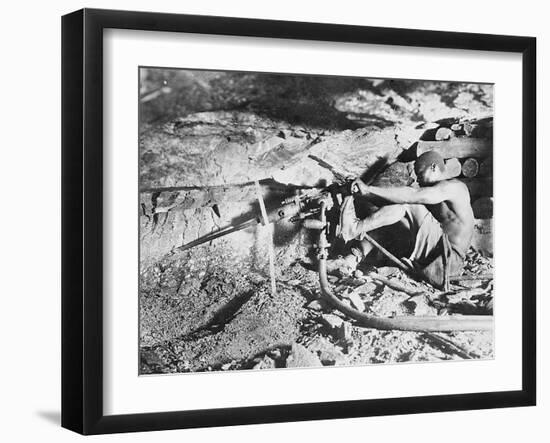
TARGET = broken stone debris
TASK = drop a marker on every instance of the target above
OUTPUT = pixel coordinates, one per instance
(332, 321)
(345, 333)
(300, 357)
(355, 298)
(317, 305)
(420, 305)
(265, 363)
(329, 353)
(217, 148)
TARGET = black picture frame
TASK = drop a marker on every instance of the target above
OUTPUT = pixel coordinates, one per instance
(82, 218)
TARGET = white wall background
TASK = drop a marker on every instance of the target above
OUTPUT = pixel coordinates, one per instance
(30, 221)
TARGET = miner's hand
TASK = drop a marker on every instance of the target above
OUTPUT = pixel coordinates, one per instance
(359, 187)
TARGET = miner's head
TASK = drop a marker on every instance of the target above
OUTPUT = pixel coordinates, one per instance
(429, 168)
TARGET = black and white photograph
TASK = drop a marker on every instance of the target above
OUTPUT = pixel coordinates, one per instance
(232, 222)
(294, 221)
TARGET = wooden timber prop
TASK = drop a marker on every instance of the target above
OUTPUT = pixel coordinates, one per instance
(463, 147)
(483, 207)
(470, 142)
(470, 167)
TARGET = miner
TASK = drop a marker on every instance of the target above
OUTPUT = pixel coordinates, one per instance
(437, 216)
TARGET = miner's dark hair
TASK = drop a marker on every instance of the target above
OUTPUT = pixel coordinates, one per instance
(427, 159)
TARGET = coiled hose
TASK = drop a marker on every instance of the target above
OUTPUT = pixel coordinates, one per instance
(435, 323)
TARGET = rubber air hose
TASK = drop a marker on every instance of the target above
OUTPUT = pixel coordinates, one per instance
(435, 323)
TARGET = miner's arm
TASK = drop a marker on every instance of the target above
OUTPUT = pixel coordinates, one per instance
(405, 194)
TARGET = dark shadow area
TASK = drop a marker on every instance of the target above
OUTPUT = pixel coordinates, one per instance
(52, 417)
(377, 168)
(362, 119)
(408, 155)
(225, 314)
(304, 100)
(299, 99)
(221, 317)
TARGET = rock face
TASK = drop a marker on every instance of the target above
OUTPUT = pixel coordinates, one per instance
(300, 357)
(221, 148)
(218, 129)
(171, 219)
(197, 173)
(202, 146)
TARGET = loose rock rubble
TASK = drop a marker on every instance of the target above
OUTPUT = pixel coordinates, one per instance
(308, 332)
(211, 308)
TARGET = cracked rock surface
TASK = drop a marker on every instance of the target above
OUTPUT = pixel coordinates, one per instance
(202, 145)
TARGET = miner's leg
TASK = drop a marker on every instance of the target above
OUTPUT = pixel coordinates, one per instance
(352, 227)
(366, 246)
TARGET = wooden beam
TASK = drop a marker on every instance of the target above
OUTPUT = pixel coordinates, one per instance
(483, 207)
(460, 147)
(470, 167)
(453, 167)
(482, 240)
(486, 168)
(479, 187)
